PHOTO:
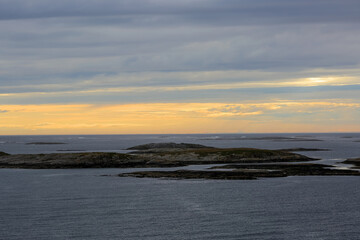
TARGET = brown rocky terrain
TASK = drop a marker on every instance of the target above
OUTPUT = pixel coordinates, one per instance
(168, 155)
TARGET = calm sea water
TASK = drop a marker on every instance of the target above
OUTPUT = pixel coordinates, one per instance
(82, 204)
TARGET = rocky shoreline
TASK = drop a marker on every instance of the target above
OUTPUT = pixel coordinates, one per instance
(248, 172)
(353, 161)
(150, 155)
(192, 174)
(240, 163)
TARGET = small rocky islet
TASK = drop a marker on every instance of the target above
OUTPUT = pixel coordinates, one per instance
(353, 161)
(249, 172)
(242, 163)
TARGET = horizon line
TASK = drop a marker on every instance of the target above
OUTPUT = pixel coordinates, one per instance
(115, 134)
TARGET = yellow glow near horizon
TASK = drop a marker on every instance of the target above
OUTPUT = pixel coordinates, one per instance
(299, 82)
(279, 116)
(318, 80)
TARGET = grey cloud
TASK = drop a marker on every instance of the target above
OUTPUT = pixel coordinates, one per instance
(95, 51)
(225, 96)
(214, 11)
(80, 44)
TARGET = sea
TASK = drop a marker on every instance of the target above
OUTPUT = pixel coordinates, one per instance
(96, 204)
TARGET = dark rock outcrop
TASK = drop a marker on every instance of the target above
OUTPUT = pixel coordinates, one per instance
(354, 161)
(191, 174)
(248, 172)
(226, 155)
(71, 160)
(168, 145)
(4, 154)
(298, 169)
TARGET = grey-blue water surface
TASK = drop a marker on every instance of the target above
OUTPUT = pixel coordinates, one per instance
(82, 204)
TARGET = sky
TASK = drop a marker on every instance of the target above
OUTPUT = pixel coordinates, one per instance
(167, 66)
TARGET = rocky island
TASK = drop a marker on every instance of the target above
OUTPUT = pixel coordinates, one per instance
(241, 163)
(248, 164)
(248, 172)
(150, 155)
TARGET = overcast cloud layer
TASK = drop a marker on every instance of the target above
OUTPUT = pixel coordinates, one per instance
(82, 41)
(198, 51)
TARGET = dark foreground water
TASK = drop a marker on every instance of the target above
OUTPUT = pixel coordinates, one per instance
(82, 204)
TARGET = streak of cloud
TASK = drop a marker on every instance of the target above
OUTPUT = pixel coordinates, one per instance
(80, 54)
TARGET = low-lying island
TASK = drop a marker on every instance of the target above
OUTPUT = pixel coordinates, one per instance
(242, 163)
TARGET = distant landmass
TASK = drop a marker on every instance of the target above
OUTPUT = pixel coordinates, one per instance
(242, 163)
